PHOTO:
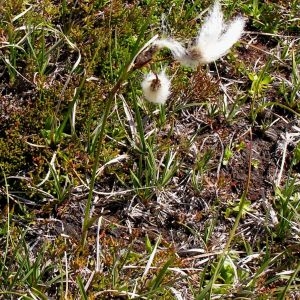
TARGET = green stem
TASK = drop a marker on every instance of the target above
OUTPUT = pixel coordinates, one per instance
(125, 72)
(108, 106)
(209, 287)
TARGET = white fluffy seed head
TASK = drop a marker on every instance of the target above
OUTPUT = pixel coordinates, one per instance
(214, 40)
(219, 46)
(215, 37)
(156, 87)
(212, 27)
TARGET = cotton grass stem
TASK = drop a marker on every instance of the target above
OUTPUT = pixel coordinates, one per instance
(110, 100)
(125, 72)
(209, 287)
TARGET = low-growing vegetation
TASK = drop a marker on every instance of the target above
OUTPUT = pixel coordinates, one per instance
(105, 195)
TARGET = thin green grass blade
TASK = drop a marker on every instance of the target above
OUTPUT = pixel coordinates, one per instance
(82, 291)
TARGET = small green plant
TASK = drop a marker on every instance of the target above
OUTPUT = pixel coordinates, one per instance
(25, 271)
(291, 89)
(288, 208)
(259, 83)
(235, 208)
(227, 155)
(200, 169)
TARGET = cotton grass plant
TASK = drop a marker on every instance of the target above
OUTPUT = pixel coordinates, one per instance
(214, 39)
